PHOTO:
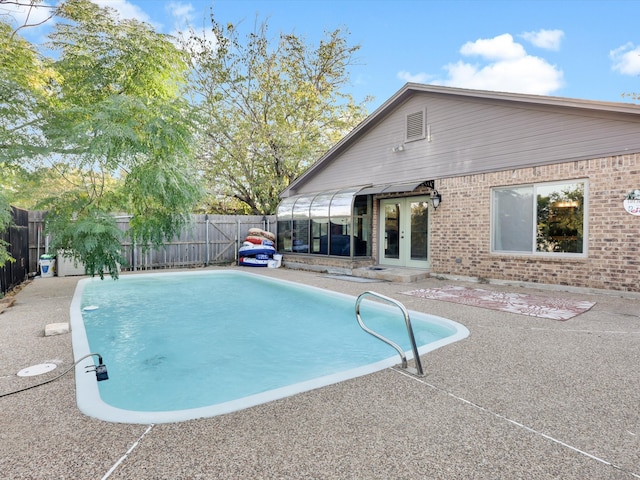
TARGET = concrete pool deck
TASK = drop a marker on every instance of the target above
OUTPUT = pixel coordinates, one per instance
(521, 397)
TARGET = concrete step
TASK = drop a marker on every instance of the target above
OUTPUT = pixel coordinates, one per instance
(391, 274)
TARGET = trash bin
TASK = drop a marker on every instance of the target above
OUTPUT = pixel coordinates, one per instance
(47, 265)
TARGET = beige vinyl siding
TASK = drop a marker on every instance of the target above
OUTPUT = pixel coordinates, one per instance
(370, 160)
(475, 135)
(496, 137)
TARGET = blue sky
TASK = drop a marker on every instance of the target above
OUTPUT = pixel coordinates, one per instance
(573, 48)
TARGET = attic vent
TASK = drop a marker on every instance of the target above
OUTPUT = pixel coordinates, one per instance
(415, 126)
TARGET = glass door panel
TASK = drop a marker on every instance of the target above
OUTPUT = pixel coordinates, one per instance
(404, 232)
(392, 231)
(419, 229)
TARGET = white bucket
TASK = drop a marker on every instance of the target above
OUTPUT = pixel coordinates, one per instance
(272, 264)
(278, 259)
(47, 267)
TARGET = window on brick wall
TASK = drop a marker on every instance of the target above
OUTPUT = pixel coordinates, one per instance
(543, 218)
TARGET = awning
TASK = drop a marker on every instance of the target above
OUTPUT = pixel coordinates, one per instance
(393, 188)
(319, 206)
(334, 203)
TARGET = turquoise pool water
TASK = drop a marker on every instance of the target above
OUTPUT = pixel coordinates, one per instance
(193, 344)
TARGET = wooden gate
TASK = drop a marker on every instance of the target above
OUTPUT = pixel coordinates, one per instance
(17, 236)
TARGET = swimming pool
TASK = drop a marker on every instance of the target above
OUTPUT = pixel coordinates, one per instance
(185, 345)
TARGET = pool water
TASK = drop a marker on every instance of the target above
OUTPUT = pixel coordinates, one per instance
(192, 344)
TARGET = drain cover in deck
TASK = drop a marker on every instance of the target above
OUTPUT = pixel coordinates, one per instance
(36, 369)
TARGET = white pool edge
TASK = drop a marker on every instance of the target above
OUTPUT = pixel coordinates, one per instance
(91, 404)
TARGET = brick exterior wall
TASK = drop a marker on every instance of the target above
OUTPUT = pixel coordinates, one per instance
(324, 263)
(461, 227)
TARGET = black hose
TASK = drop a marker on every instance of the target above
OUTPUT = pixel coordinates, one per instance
(55, 378)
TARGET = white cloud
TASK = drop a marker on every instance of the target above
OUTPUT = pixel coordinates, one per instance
(547, 39)
(188, 24)
(180, 12)
(414, 78)
(503, 65)
(527, 74)
(626, 59)
(126, 10)
(183, 16)
(501, 47)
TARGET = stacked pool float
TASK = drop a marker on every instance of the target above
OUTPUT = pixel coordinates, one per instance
(258, 248)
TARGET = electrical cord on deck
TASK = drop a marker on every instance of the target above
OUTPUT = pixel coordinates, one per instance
(64, 373)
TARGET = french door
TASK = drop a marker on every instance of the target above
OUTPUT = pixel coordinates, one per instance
(404, 232)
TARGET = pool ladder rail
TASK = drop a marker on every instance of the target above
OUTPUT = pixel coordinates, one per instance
(418, 371)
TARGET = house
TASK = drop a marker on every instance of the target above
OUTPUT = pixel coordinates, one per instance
(477, 184)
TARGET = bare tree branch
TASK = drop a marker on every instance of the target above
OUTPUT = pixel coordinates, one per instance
(31, 5)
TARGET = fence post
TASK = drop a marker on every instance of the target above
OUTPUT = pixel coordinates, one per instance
(133, 254)
(237, 242)
(38, 246)
(206, 239)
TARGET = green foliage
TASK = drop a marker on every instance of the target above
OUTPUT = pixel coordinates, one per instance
(26, 81)
(104, 56)
(122, 113)
(269, 110)
(159, 191)
(90, 237)
(35, 188)
(110, 119)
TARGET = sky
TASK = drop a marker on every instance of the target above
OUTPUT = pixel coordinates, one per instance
(583, 49)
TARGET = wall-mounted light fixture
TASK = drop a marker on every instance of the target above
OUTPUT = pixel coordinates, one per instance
(397, 148)
(436, 199)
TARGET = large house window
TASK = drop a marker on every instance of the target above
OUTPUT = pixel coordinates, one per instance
(545, 218)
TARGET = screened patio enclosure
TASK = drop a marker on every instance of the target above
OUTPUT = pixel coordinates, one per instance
(335, 223)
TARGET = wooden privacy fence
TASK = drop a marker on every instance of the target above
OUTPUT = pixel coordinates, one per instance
(206, 240)
(13, 274)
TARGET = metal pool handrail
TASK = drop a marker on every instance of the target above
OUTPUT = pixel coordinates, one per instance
(415, 371)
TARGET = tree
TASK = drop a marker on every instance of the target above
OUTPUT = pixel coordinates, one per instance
(268, 111)
(24, 79)
(25, 90)
(115, 109)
